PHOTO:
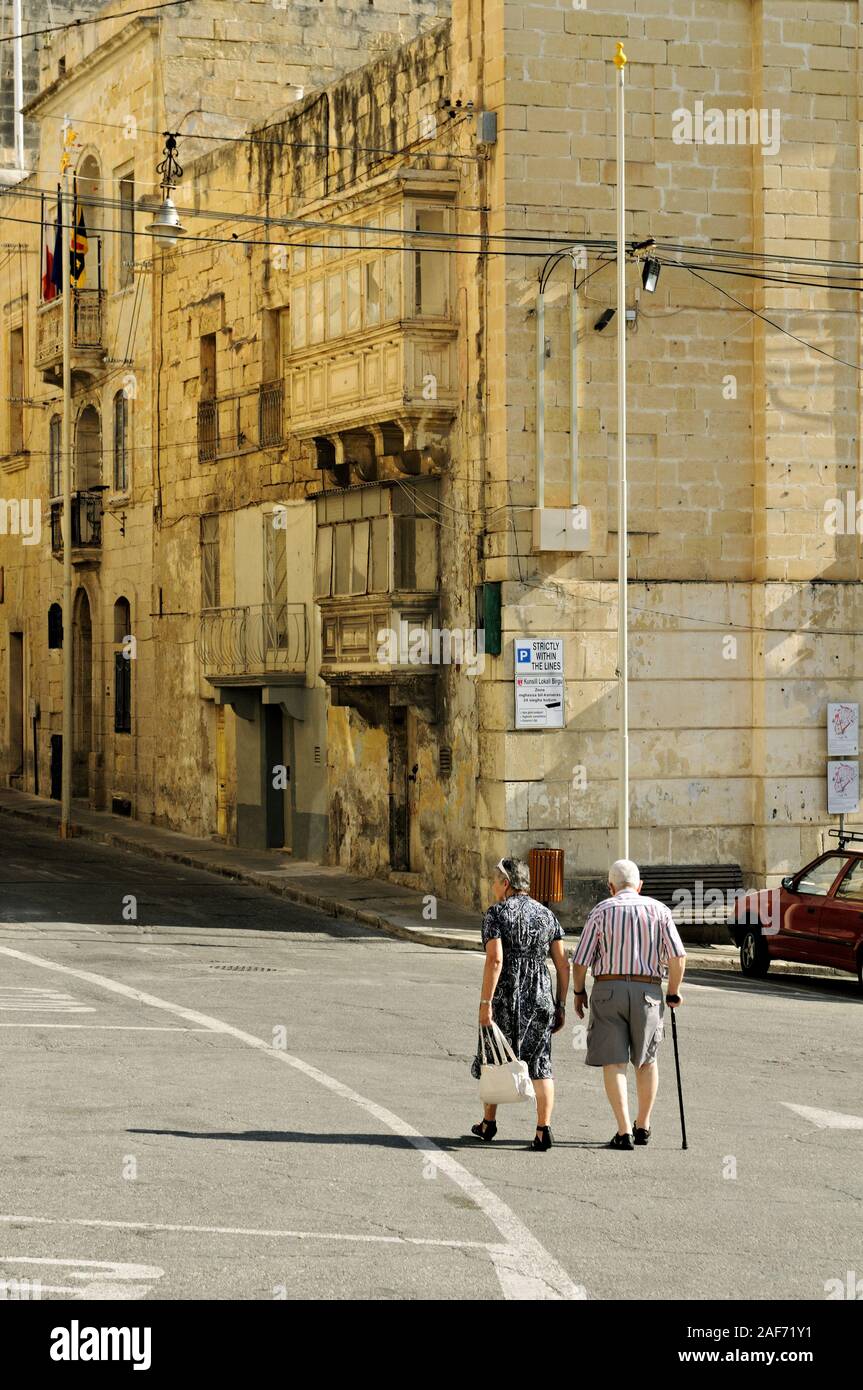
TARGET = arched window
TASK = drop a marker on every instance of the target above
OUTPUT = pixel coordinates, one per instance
(122, 620)
(88, 449)
(121, 426)
(55, 627)
(124, 655)
(86, 243)
(55, 463)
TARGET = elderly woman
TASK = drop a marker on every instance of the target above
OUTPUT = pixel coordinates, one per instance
(518, 934)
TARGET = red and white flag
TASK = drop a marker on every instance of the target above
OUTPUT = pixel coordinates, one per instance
(50, 235)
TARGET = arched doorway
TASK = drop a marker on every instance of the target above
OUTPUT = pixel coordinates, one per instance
(82, 704)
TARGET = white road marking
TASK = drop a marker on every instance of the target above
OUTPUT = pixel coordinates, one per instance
(825, 1119)
(112, 1027)
(57, 926)
(243, 1231)
(776, 989)
(96, 1278)
(28, 999)
(531, 1272)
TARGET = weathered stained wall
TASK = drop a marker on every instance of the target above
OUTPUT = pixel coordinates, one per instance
(737, 436)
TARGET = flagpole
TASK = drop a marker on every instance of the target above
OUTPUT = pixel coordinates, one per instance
(622, 577)
(66, 456)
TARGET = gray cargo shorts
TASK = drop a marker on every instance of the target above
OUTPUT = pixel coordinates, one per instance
(625, 1023)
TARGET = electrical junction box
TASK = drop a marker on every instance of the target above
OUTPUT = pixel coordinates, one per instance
(564, 529)
(486, 127)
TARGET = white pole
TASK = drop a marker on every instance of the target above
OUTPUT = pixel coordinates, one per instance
(540, 398)
(66, 456)
(622, 615)
(18, 82)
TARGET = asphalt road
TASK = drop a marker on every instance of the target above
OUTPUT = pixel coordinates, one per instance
(229, 1096)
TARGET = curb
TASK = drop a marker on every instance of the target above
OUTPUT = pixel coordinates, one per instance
(335, 907)
(332, 907)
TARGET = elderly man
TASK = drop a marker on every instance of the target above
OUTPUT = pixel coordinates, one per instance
(627, 942)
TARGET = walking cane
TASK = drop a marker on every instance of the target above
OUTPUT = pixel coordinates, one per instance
(684, 1145)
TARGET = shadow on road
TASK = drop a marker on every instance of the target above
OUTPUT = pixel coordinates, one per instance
(45, 880)
(828, 988)
(382, 1141)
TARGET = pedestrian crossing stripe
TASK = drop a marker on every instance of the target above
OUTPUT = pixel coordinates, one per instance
(27, 999)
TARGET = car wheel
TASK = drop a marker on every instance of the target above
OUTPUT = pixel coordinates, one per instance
(754, 956)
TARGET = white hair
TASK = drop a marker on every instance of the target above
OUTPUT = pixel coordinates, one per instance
(624, 874)
(516, 873)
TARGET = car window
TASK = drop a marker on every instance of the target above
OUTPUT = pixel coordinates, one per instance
(818, 879)
(852, 884)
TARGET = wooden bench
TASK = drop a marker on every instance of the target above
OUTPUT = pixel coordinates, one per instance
(691, 892)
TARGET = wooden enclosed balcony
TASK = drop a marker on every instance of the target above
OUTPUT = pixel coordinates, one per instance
(406, 373)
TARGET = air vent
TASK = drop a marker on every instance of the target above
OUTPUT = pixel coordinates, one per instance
(317, 752)
(445, 762)
(268, 969)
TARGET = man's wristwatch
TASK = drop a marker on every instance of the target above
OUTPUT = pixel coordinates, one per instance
(579, 992)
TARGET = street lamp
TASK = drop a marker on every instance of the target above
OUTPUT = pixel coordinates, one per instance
(650, 273)
(166, 227)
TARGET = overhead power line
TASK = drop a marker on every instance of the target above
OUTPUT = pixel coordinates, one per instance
(261, 140)
(773, 324)
(91, 19)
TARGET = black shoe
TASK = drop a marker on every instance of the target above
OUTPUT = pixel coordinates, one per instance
(542, 1140)
(485, 1130)
(621, 1141)
(640, 1136)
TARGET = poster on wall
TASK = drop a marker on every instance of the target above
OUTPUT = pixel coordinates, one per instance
(843, 727)
(843, 787)
(539, 683)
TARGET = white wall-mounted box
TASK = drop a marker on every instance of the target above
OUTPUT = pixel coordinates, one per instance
(565, 529)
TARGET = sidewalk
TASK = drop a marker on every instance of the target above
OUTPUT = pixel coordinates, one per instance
(386, 907)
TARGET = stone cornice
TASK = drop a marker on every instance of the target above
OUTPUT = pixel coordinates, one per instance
(88, 66)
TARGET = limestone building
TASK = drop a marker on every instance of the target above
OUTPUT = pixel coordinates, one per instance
(331, 441)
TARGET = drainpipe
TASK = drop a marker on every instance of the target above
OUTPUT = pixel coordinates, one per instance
(540, 398)
(573, 388)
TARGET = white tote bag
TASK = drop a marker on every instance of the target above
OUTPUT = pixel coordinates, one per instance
(503, 1078)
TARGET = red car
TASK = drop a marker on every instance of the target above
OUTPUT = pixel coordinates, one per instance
(816, 917)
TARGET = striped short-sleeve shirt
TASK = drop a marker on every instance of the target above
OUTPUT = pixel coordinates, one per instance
(628, 934)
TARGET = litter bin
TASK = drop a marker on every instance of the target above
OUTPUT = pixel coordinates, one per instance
(546, 875)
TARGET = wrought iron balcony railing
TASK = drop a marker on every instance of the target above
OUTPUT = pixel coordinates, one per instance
(253, 639)
(208, 430)
(270, 406)
(241, 421)
(86, 522)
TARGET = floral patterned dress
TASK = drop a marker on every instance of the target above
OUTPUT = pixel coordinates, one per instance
(523, 1004)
